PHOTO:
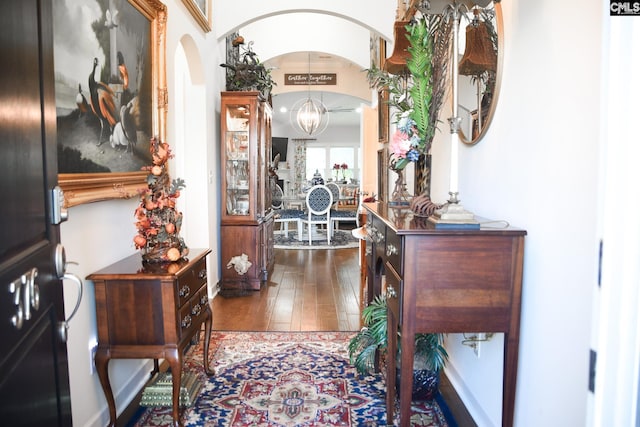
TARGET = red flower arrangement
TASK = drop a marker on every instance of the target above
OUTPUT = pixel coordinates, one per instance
(157, 220)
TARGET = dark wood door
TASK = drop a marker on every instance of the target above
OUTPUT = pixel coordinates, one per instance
(34, 383)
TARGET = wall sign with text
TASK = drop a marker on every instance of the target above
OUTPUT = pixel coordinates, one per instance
(317, 79)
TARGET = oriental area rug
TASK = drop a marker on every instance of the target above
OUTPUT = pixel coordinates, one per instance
(273, 379)
(340, 239)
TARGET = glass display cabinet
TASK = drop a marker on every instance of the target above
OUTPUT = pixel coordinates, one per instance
(247, 220)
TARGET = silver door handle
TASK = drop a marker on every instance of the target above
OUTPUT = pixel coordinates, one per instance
(60, 262)
(63, 326)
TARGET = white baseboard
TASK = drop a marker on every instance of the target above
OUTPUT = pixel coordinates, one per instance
(477, 413)
(124, 395)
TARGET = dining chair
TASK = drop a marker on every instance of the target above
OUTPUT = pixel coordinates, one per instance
(281, 215)
(335, 192)
(319, 200)
(276, 196)
(349, 213)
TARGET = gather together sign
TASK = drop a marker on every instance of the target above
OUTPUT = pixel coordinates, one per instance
(316, 79)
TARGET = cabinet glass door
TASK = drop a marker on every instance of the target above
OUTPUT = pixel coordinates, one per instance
(237, 118)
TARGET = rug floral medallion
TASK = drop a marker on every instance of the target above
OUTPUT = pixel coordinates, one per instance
(272, 379)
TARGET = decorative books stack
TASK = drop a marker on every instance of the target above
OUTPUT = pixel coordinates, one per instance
(160, 390)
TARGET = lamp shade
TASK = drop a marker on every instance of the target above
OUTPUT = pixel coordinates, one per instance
(479, 55)
(397, 62)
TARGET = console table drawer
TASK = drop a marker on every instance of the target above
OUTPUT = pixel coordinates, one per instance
(377, 235)
(192, 313)
(191, 281)
(394, 250)
(394, 293)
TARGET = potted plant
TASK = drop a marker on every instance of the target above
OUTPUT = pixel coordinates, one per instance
(249, 73)
(429, 359)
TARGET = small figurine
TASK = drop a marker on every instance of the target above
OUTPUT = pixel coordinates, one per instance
(317, 179)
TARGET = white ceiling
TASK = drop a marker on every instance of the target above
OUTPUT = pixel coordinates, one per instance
(342, 108)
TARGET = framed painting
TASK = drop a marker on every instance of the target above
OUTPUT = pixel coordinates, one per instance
(201, 11)
(111, 95)
(383, 115)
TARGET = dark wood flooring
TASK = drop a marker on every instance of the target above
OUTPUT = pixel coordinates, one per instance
(308, 290)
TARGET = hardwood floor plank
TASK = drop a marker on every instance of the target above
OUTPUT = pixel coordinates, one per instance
(308, 290)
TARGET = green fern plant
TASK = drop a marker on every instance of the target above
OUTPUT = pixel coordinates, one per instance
(371, 338)
(420, 90)
(429, 351)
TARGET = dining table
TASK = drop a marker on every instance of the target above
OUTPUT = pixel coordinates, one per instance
(297, 201)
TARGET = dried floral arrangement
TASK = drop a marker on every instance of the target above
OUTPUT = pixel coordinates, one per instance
(157, 220)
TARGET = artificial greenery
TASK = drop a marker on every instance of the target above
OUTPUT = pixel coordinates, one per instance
(419, 65)
(429, 353)
(249, 73)
(417, 95)
(371, 338)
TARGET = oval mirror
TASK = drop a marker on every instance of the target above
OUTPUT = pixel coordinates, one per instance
(479, 70)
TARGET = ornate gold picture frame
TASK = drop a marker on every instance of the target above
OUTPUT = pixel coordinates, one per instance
(201, 11)
(122, 49)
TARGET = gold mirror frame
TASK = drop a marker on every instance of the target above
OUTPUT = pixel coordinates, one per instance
(490, 110)
(80, 188)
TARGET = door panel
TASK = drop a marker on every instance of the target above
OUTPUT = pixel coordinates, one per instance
(34, 384)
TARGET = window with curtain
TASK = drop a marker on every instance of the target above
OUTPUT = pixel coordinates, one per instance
(322, 158)
(316, 160)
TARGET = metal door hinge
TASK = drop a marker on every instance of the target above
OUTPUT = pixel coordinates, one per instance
(592, 370)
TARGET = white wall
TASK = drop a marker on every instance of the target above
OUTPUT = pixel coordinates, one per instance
(538, 169)
(95, 236)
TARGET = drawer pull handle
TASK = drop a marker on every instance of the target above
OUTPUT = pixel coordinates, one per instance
(371, 231)
(202, 274)
(196, 309)
(186, 322)
(185, 291)
(392, 250)
(391, 293)
(204, 299)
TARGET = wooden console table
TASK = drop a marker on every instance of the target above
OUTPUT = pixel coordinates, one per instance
(151, 311)
(449, 281)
